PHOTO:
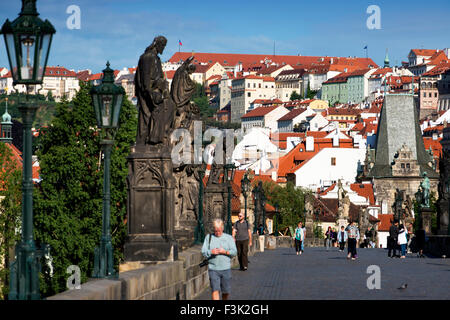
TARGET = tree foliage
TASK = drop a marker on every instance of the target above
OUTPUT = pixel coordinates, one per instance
(290, 201)
(68, 201)
(295, 96)
(10, 212)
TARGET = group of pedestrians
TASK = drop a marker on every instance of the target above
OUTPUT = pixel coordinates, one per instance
(219, 248)
(399, 238)
(349, 235)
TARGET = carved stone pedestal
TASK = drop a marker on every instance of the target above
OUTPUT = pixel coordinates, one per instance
(426, 219)
(215, 205)
(150, 207)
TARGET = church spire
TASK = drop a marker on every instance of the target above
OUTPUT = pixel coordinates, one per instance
(386, 60)
(6, 126)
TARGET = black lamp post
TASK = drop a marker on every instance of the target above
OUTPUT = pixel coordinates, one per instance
(263, 208)
(200, 229)
(277, 214)
(245, 189)
(107, 99)
(229, 176)
(256, 195)
(28, 40)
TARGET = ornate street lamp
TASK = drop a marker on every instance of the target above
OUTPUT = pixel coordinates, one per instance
(200, 229)
(245, 189)
(229, 176)
(277, 214)
(256, 196)
(28, 40)
(263, 207)
(107, 99)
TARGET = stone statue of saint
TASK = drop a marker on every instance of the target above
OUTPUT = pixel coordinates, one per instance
(156, 107)
(425, 185)
(182, 89)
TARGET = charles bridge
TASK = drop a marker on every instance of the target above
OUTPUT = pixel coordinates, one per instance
(277, 273)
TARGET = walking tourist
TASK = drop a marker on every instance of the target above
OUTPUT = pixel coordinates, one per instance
(243, 237)
(304, 236)
(342, 238)
(329, 238)
(402, 240)
(353, 237)
(219, 248)
(298, 238)
(334, 237)
(392, 239)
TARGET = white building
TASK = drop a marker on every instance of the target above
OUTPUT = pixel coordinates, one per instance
(61, 82)
(317, 122)
(263, 117)
(330, 165)
(245, 90)
(288, 122)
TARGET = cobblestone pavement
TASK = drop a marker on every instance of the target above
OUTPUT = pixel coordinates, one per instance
(318, 274)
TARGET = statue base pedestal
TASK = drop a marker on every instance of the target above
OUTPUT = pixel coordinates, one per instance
(150, 207)
(426, 219)
(216, 196)
(146, 248)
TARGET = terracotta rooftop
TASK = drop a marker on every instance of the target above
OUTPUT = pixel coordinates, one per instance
(259, 112)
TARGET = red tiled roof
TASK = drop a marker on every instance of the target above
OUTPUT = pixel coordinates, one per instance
(343, 111)
(84, 75)
(439, 69)
(291, 115)
(435, 145)
(267, 101)
(364, 190)
(424, 52)
(59, 72)
(259, 112)
(254, 60)
(360, 72)
(7, 75)
(385, 222)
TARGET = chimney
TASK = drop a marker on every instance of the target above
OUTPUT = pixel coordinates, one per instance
(336, 140)
(274, 176)
(309, 143)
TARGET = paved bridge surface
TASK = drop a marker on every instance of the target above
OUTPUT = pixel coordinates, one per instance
(318, 274)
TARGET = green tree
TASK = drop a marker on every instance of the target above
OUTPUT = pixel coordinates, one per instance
(50, 96)
(310, 94)
(295, 96)
(10, 212)
(68, 201)
(290, 200)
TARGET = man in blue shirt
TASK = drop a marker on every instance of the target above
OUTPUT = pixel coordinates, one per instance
(219, 250)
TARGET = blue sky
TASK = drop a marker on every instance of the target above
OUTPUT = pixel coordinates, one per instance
(119, 30)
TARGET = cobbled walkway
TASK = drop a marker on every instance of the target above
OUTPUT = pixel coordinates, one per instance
(318, 274)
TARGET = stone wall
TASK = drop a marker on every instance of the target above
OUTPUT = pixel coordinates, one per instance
(181, 279)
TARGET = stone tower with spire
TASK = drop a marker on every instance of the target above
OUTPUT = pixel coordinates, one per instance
(400, 156)
(6, 126)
